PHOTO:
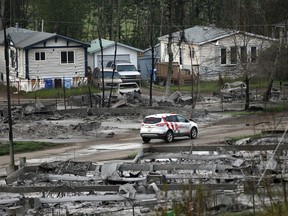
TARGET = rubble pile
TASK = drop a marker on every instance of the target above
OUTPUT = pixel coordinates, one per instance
(227, 176)
(40, 120)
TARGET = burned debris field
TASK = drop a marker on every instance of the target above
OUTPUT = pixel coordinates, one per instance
(205, 175)
(227, 177)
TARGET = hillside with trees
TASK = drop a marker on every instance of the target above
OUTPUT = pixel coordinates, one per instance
(132, 21)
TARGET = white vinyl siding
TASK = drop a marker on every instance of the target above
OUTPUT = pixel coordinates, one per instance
(52, 67)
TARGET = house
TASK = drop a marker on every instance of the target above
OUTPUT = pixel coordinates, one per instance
(43, 60)
(280, 31)
(208, 51)
(124, 52)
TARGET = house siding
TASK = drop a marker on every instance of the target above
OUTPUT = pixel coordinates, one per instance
(145, 62)
(207, 56)
(51, 67)
(2, 64)
(207, 42)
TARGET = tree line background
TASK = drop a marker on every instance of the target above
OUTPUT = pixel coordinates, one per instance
(137, 22)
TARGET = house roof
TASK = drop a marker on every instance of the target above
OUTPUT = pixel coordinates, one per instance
(95, 46)
(25, 38)
(282, 24)
(204, 34)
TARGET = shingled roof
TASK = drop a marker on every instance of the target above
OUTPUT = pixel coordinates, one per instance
(25, 38)
(204, 34)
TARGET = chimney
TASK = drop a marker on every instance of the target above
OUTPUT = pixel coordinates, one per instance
(42, 26)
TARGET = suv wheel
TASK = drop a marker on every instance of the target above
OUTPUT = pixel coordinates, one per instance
(145, 139)
(193, 133)
(169, 136)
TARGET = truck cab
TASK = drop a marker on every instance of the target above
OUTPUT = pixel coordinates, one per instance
(127, 71)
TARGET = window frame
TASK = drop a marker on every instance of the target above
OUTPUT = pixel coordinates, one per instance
(223, 56)
(253, 51)
(192, 52)
(64, 57)
(233, 55)
(13, 58)
(243, 54)
(41, 54)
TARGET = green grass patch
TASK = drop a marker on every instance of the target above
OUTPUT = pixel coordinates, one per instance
(203, 87)
(276, 108)
(131, 156)
(59, 92)
(27, 146)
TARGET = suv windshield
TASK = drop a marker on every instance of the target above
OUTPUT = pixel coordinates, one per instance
(126, 68)
(151, 120)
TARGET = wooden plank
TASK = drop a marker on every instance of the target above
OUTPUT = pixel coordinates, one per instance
(14, 176)
(189, 156)
(106, 188)
(57, 189)
(188, 166)
(95, 198)
(162, 149)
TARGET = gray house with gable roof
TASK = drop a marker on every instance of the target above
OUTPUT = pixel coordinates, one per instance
(43, 60)
(208, 51)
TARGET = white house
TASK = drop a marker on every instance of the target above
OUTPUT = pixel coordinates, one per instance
(43, 60)
(124, 52)
(209, 51)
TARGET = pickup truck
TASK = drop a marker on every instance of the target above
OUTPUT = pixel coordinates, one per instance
(127, 71)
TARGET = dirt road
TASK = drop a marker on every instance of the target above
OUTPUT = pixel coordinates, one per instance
(122, 146)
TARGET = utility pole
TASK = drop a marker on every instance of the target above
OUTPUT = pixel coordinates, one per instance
(12, 162)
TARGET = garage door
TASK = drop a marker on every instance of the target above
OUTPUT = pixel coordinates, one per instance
(107, 58)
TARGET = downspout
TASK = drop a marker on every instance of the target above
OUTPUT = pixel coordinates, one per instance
(26, 64)
(16, 62)
(86, 62)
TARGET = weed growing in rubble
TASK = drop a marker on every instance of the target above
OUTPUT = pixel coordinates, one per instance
(193, 201)
(27, 146)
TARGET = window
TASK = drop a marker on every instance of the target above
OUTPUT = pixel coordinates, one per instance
(180, 56)
(39, 56)
(223, 56)
(67, 57)
(171, 118)
(253, 54)
(182, 119)
(151, 120)
(126, 68)
(233, 55)
(13, 58)
(243, 53)
(192, 52)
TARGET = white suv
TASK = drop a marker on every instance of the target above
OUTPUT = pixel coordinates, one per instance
(167, 126)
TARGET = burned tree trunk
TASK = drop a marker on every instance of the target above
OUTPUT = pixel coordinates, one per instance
(271, 78)
(170, 53)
